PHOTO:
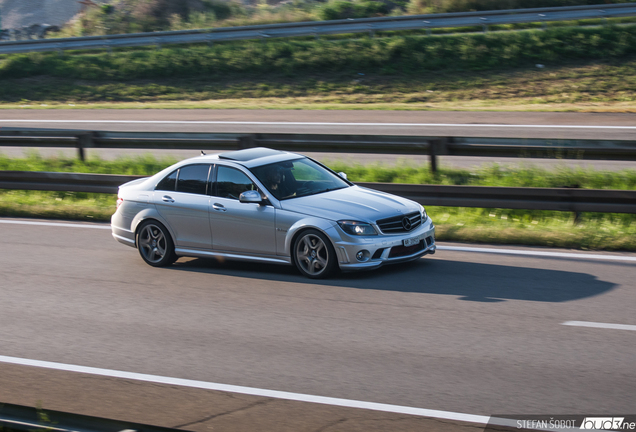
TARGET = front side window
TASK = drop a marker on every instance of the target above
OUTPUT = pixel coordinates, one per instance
(230, 183)
(297, 178)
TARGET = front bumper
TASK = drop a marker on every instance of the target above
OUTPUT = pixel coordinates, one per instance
(385, 249)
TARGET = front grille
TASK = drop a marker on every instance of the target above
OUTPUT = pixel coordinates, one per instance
(395, 225)
(400, 251)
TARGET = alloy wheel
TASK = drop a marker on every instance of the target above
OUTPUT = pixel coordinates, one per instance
(314, 255)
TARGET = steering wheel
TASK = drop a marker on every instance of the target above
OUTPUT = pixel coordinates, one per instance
(307, 185)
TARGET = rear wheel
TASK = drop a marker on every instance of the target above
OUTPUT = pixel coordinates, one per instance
(155, 244)
(314, 255)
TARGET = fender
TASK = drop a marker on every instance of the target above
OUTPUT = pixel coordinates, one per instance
(326, 226)
(149, 213)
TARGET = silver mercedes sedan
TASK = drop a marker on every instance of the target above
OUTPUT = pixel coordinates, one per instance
(268, 206)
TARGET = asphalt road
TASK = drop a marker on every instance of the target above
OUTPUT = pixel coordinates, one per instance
(427, 123)
(462, 332)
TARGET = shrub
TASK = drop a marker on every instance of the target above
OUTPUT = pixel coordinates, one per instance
(107, 9)
(483, 5)
(223, 9)
(343, 9)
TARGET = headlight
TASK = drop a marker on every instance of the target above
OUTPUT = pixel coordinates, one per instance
(357, 228)
(424, 215)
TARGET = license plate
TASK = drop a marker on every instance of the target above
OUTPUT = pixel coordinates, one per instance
(411, 241)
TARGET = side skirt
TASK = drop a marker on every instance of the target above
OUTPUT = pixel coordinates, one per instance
(231, 256)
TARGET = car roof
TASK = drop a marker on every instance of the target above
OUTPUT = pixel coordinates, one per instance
(248, 158)
(249, 154)
(258, 156)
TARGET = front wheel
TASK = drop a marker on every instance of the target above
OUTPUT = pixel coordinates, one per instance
(314, 255)
(155, 244)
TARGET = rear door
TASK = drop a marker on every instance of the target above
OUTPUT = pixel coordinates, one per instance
(182, 198)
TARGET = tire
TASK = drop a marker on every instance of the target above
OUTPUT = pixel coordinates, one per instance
(313, 254)
(155, 244)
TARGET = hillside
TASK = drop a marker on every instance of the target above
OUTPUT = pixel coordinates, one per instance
(132, 16)
(19, 13)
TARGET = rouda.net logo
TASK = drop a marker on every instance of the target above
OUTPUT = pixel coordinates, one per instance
(607, 423)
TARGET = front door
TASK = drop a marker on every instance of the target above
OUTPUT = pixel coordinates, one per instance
(240, 227)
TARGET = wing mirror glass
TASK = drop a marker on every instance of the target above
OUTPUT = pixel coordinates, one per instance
(251, 196)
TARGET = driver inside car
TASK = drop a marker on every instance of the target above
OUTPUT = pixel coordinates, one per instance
(277, 182)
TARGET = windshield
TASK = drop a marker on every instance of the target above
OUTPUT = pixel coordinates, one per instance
(298, 178)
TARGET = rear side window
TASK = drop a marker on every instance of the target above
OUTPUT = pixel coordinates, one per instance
(169, 182)
(230, 183)
(193, 179)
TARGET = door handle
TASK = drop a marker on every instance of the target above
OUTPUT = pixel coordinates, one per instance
(218, 207)
(167, 198)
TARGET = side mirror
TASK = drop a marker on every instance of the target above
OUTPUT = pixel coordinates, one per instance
(251, 196)
(343, 175)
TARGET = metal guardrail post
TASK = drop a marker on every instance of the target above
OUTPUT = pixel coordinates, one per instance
(432, 151)
(484, 26)
(84, 141)
(436, 147)
(247, 141)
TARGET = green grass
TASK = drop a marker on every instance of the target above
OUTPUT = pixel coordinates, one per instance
(593, 231)
(592, 86)
(140, 165)
(493, 175)
(57, 205)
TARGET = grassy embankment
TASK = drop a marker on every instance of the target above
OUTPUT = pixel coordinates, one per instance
(585, 69)
(543, 228)
(133, 16)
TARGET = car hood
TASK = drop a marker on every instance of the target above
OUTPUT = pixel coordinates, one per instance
(354, 203)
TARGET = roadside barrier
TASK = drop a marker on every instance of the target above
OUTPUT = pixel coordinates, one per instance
(24, 418)
(318, 28)
(433, 146)
(562, 199)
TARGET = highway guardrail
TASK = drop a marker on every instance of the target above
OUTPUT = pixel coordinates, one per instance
(562, 199)
(24, 418)
(433, 146)
(318, 28)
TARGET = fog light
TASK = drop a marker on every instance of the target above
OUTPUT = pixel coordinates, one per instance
(363, 255)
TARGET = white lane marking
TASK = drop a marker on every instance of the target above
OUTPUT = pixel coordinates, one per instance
(439, 247)
(55, 224)
(539, 253)
(600, 325)
(349, 403)
(260, 123)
